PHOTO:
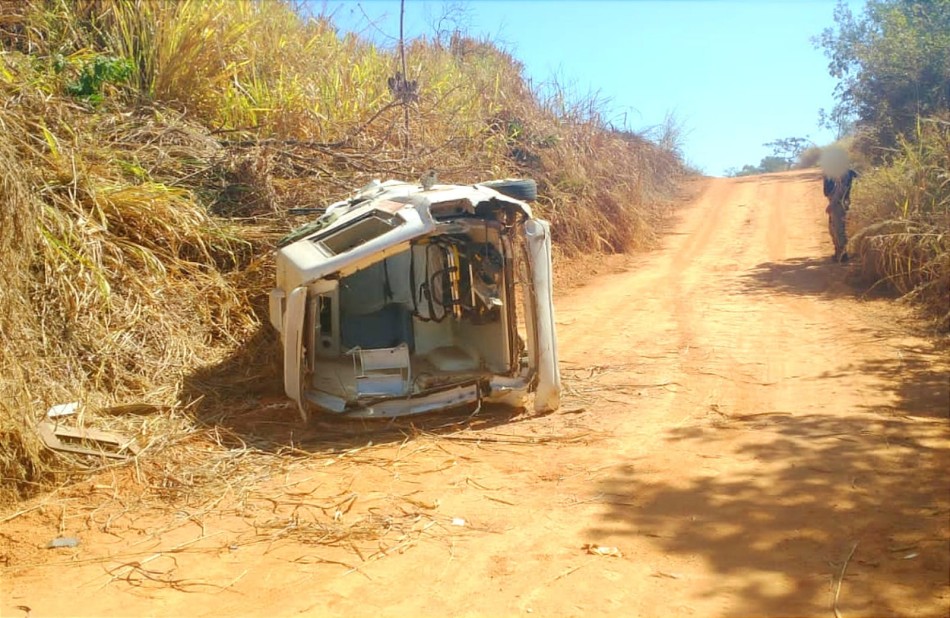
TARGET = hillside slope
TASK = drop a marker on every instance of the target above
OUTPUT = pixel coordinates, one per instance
(154, 149)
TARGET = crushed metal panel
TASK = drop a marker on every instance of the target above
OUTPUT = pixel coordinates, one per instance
(73, 440)
(547, 397)
(443, 400)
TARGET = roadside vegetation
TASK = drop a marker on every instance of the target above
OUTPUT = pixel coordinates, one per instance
(893, 102)
(153, 149)
(787, 152)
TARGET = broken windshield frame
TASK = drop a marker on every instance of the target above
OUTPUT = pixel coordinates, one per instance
(359, 231)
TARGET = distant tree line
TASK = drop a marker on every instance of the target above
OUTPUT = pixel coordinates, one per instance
(892, 63)
(786, 152)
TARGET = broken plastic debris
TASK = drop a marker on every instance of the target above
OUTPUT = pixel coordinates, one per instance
(63, 541)
(911, 556)
(458, 521)
(63, 409)
(601, 550)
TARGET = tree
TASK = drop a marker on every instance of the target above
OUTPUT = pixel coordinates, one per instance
(767, 165)
(892, 63)
(454, 18)
(773, 164)
(788, 149)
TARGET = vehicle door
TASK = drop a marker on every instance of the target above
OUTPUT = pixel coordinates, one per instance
(542, 355)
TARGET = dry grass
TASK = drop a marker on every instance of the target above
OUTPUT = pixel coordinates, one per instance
(114, 287)
(136, 220)
(902, 214)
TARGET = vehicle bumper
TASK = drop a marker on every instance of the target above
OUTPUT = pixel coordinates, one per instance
(501, 390)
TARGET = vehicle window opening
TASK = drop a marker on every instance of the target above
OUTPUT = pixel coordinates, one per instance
(375, 305)
(362, 230)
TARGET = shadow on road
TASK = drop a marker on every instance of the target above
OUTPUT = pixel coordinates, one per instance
(778, 497)
(917, 373)
(807, 276)
(918, 380)
(803, 490)
(277, 426)
(831, 483)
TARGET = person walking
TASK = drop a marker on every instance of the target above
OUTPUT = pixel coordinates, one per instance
(838, 192)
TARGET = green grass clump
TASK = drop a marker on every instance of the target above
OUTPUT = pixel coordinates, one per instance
(95, 75)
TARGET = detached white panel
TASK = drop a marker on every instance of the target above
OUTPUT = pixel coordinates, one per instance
(538, 235)
(293, 344)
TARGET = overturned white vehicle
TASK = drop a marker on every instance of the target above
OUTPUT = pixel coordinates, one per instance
(405, 299)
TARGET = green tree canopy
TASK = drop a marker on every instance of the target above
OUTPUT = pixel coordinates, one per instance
(788, 149)
(892, 63)
(767, 165)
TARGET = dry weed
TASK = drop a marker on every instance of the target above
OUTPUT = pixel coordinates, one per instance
(135, 221)
(902, 213)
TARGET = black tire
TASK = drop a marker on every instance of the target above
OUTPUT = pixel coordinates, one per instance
(524, 189)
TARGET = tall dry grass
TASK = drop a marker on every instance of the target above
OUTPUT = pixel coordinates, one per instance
(135, 224)
(115, 283)
(902, 214)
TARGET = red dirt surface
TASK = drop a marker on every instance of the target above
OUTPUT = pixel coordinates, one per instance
(740, 429)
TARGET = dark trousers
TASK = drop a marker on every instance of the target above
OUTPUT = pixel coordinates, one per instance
(837, 212)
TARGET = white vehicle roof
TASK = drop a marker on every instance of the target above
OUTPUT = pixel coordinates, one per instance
(393, 213)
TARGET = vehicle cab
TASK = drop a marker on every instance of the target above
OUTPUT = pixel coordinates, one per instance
(404, 299)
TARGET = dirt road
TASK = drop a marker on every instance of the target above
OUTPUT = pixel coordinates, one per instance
(740, 427)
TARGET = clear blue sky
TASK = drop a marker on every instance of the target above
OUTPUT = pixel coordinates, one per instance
(735, 73)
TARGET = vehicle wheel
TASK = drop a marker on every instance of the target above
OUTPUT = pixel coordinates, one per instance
(524, 189)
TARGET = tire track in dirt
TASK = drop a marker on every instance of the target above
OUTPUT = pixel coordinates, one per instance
(780, 446)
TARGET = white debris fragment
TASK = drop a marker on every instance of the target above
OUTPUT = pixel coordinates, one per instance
(63, 409)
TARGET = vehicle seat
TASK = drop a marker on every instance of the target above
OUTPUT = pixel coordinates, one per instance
(389, 327)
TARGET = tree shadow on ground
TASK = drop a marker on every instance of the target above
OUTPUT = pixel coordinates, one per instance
(277, 426)
(917, 379)
(243, 396)
(799, 490)
(809, 276)
(916, 373)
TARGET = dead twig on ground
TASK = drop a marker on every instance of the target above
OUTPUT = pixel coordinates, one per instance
(129, 567)
(844, 567)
